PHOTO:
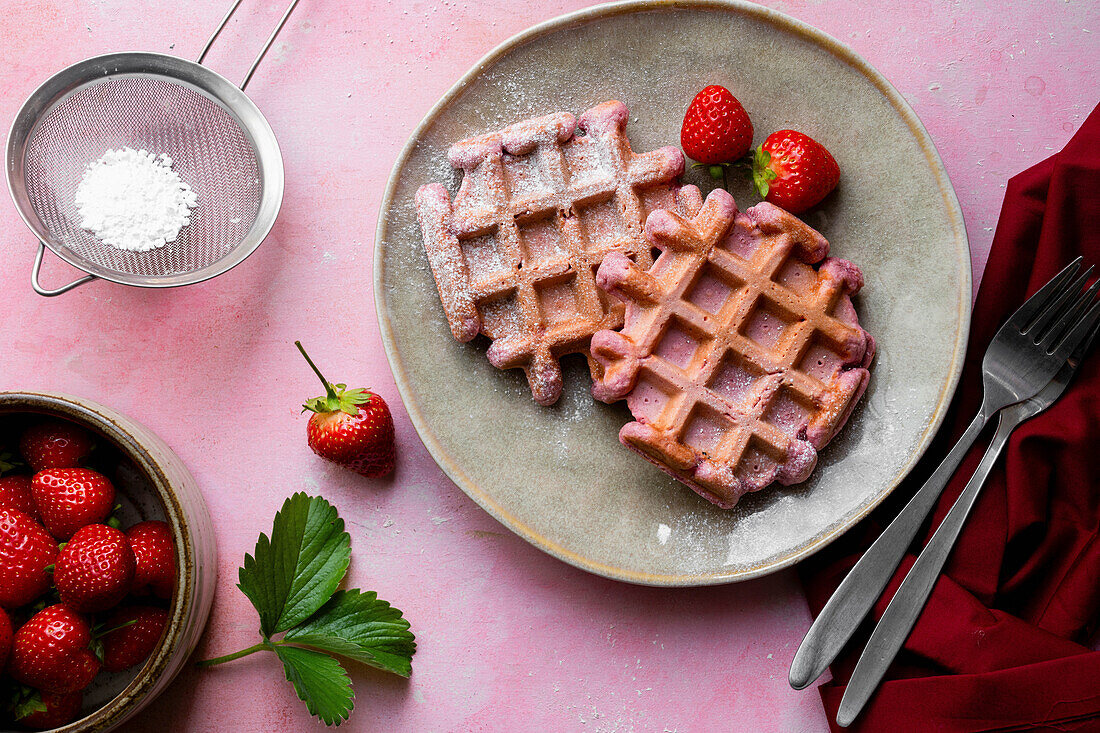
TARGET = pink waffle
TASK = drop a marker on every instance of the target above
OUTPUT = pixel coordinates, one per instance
(739, 359)
(515, 255)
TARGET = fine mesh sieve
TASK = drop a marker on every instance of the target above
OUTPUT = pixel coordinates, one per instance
(219, 143)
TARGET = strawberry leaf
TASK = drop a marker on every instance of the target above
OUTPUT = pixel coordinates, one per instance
(8, 462)
(296, 571)
(361, 627)
(27, 703)
(292, 581)
(320, 681)
(762, 174)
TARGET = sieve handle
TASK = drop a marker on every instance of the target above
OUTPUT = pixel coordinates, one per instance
(263, 51)
(46, 291)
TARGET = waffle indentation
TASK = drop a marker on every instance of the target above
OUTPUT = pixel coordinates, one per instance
(712, 290)
(602, 224)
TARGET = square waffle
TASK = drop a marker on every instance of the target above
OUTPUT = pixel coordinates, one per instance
(739, 359)
(539, 207)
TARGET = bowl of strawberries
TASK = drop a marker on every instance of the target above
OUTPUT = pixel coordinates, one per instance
(107, 564)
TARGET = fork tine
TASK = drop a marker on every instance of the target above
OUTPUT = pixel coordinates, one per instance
(1086, 346)
(1069, 317)
(1074, 338)
(1026, 312)
(1056, 311)
(1082, 304)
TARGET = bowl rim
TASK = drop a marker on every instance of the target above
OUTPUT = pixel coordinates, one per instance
(101, 420)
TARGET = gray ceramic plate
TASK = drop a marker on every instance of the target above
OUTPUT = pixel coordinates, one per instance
(558, 476)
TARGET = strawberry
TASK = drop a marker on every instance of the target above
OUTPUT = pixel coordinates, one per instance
(55, 444)
(132, 644)
(5, 638)
(716, 128)
(52, 651)
(352, 428)
(71, 498)
(26, 551)
(15, 493)
(95, 569)
(53, 710)
(794, 171)
(155, 554)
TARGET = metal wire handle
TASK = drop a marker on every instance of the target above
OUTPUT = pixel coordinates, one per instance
(263, 51)
(51, 292)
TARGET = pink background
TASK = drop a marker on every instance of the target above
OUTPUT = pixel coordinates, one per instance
(509, 638)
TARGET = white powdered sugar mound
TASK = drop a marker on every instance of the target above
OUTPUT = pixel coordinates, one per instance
(133, 200)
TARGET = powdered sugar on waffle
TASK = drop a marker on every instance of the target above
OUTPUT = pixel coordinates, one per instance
(541, 203)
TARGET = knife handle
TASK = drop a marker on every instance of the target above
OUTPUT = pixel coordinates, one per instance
(857, 594)
(908, 602)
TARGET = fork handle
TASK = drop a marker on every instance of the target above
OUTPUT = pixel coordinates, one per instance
(857, 594)
(906, 606)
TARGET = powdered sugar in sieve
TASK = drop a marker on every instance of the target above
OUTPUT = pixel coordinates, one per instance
(133, 200)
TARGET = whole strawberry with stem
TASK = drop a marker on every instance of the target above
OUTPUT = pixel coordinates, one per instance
(71, 498)
(131, 636)
(48, 710)
(27, 551)
(716, 130)
(352, 428)
(15, 493)
(52, 651)
(55, 444)
(94, 569)
(794, 171)
(155, 554)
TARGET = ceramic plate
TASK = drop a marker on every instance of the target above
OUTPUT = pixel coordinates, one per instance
(558, 476)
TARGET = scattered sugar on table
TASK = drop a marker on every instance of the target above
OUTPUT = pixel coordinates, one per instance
(133, 200)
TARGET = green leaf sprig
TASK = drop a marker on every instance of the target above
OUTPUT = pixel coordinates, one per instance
(291, 580)
(8, 462)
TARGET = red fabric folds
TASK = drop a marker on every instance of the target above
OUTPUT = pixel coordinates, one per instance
(1005, 642)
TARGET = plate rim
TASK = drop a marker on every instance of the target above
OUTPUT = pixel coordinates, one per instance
(787, 23)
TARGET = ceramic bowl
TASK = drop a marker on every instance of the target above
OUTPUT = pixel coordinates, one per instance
(152, 483)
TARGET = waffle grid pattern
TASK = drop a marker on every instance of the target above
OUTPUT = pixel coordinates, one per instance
(539, 207)
(751, 360)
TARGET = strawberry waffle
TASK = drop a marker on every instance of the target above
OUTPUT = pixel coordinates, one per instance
(540, 205)
(738, 359)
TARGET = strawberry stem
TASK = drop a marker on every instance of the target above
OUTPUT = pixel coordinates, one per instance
(265, 644)
(337, 396)
(329, 388)
(101, 634)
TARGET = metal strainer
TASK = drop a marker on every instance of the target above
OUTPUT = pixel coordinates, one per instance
(218, 140)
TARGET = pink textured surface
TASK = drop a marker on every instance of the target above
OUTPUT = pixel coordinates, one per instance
(509, 638)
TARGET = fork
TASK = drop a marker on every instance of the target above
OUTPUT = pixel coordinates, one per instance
(908, 602)
(1023, 357)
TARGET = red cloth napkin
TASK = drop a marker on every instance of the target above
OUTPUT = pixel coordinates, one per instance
(1003, 643)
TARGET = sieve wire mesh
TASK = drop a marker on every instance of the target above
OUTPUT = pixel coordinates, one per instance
(209, 151)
